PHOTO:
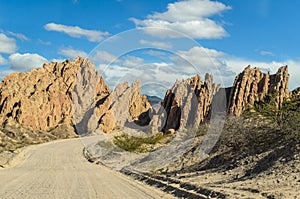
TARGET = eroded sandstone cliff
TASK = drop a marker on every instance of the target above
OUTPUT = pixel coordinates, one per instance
(40, 99)
(252, 85)
(122, 107)
(61, 96)
(188, 102)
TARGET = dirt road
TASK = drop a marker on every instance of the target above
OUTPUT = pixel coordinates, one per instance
(59, 170)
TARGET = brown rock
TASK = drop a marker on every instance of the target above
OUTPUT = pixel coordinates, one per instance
(252, 85)
(43, 99)
(188, 102)
(39, 99)
(122, 107)
(89, 90)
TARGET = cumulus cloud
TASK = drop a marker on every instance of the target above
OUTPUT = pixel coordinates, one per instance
(71, 52)
(77, 32)
(161, 72)
(2, 60)
(103, 56)
(7, 44)
(22, 62)
(190, 17)
(202, 59)
(132, 61)
(156, 44)
(201, 56)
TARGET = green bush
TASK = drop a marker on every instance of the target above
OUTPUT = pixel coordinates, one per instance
(263, 125)
(138, 144)
(285, 119)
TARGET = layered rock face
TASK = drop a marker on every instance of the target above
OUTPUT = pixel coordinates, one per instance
(40, 99)
(122, 107)
(252, 85)
(60, 96)
(89, 88)
(188, 102)
(191, 101)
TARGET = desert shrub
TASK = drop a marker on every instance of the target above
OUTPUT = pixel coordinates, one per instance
(138, 144)
(248, 134)
(263, 125)
(284, 120)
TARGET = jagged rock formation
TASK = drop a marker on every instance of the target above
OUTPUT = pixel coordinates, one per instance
(40, 99)
(60, 96)
(89, 87)
(252, 85)
(122, 107)
(188, 102)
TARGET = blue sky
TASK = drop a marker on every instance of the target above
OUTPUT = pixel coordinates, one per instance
(231, 34)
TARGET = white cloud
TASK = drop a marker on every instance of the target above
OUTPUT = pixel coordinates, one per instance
(197, 51)
(26, 61)
(190, 17)
(2, 60)
(156, 44)
(203, 59)
(190, 10)
(7, 45)
(131, 61)
(185, 64)
(266, 53)
(161, 72)
(77, 32)
(103, 57)
(72, 53)
(18, 35)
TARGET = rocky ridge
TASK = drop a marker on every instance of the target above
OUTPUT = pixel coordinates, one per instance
(40, 99)
(188, 102)
(60, 96)
(122, 107)
(252, 86)
(63, 95)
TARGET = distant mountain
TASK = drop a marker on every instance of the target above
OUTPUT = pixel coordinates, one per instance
(153, 99)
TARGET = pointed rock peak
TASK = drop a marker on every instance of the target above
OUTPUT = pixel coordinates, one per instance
(253, 85)
(248, 67)
(283, 69)
(137, 84)
(195, 82)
